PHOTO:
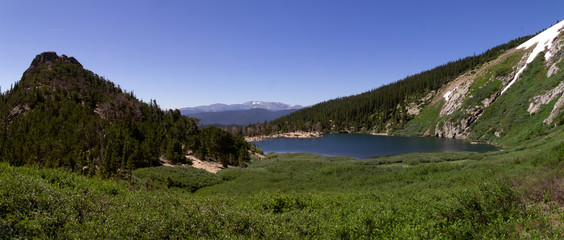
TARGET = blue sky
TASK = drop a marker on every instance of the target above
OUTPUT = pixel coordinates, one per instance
(189, 53)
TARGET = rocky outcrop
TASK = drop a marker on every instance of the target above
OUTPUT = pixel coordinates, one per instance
(450, 129)
(414, 108)
(458, 92)
(552, 70)
(18, 110)
(557, 53)
(47, 57)
(458, 128)
(556, 111)
(545, 98)
(50, 57)
(454, 98)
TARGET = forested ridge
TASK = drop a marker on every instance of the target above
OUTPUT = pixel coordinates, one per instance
(61, 115)
(380, 109)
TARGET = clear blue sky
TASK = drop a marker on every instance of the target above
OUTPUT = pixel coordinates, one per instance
(189, 53)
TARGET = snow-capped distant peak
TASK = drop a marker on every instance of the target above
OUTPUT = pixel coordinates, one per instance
(254, 103)
(541, 41)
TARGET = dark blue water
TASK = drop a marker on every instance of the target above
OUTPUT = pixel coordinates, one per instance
(366, 146)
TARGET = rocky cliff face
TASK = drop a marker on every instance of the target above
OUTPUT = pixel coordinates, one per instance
(538, 101)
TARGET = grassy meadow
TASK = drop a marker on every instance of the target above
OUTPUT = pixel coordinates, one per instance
(515, 193)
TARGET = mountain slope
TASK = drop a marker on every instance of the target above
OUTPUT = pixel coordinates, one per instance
(514, 98)
(61, 115)
(389, 107)
(507, 95)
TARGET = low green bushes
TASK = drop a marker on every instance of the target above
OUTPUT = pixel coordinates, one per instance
(186, 178)
(294, 196)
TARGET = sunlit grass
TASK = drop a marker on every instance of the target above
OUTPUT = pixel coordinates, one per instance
(425, 195)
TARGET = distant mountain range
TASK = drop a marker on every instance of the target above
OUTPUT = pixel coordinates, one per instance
(240, 117)
(220, 107)
(239, 114)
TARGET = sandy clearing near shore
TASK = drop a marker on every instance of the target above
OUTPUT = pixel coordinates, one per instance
(212, 167)
(298, 134)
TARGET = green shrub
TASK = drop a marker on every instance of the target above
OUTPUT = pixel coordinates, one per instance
(187, 178)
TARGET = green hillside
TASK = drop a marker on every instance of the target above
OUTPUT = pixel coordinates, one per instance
(480, 110)
(384, 108)
(61, 115)
(476, 110)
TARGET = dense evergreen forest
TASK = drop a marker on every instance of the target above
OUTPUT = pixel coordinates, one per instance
(381, 109)
(61, 115)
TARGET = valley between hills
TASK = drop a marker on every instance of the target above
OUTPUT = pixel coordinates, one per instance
(83, 159)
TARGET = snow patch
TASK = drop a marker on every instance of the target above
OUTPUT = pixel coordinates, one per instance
(447, 95)
(542, 41)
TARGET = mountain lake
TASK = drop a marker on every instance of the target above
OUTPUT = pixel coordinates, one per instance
(363, 146)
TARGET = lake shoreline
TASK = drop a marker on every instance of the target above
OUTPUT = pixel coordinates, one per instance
(363, 146)
(305, 135)
(297, 134)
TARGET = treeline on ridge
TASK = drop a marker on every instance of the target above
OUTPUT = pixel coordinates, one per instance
(61, 115)
(377, 110)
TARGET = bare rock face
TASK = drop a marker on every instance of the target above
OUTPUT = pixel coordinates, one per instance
(552, 70)
(455, 98)
(545, 98)
(488, 101)
(449, 130)
(557, 52)
(413, 109)
(44, 58)
(557, 110)
(458, 129)
(453, 101)
(18, 110)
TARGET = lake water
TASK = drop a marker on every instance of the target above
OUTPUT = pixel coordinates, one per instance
(366, 146)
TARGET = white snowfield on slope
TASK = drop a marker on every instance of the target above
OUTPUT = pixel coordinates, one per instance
(542, 41)
(447, 95)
